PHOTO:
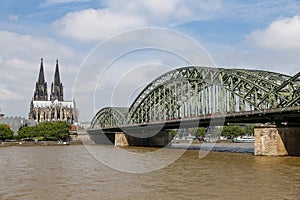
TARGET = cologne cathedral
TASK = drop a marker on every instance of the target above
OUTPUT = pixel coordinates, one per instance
(55, 108)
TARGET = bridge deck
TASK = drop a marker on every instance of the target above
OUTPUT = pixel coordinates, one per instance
(290, 115)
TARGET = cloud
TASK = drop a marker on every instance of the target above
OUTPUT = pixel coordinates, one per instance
(120, 15)
(285, 62)
(19, 64)
(54, 2)
(94, 24)
(274, 48)
(257, 11)
(6, 94)
(20, 53)
(282, 34)
(14, 44)
(117, 69)
(14, 17)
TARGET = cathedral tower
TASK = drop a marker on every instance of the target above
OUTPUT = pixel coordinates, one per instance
(40, 93)
(55, 109)
(56, 86)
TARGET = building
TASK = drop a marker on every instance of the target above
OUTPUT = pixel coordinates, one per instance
(55, 108)
(15, 123)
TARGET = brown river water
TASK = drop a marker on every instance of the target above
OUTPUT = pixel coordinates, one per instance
(72, 172)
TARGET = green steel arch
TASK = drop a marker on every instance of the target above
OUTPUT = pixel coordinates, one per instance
(199, 91)
(109, 117)
(196, 91)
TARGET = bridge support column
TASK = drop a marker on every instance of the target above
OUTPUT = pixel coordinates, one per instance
(271, 140)
(151, 139)
(97, 136)
(121, 139)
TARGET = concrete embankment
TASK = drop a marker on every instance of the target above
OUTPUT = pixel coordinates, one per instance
(220, 147)
(82, 137)
(39, 143)
(76, 138)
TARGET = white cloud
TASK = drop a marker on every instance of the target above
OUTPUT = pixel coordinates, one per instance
(282, 34)
(93, 24)
(271, 49)
(285, 62)
(120, 15)
(8, 95)
(275, 48)
(20, 59)
(28, 46)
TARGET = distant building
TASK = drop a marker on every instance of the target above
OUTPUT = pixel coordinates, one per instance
(55, 109)
(1, 114)
(15, 123)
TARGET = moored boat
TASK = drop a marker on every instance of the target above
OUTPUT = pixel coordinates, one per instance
(244, 139)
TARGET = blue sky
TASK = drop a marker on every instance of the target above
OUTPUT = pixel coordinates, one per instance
(242, 34)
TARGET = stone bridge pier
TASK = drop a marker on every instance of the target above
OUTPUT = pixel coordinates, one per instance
(272, 140)
(147, 138)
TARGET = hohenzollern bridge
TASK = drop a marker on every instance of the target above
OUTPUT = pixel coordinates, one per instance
(203, 96)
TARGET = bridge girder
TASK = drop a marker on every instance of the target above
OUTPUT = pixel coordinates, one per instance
(109, 117)
(196, 91)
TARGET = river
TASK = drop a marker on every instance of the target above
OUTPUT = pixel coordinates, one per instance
(73, 172)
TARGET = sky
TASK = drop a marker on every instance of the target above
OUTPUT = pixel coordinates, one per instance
(89, 37)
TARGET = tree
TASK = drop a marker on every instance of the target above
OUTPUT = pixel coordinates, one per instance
(249, 130)
(200, 131)
(5, 132)
(232, 131)
(47, 131)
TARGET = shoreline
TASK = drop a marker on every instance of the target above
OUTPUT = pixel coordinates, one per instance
(216, 147)
(40, 143)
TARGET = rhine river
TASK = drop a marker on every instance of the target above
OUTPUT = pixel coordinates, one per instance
(71, 172)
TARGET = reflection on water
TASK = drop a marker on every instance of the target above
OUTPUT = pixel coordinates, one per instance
(69, 172)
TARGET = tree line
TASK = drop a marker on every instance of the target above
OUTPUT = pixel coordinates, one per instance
(42, 131)
(226, 131)
(5, 132)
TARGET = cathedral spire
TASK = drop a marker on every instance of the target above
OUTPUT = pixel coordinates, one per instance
(41, 79)
(40, 92)
(56, 75)
(56, 86)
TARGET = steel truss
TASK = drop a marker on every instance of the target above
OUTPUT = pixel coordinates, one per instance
(198, 91)
(110, 117)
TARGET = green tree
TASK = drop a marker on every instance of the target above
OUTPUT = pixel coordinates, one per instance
(249, 130)
(232, 131)
(200, 131)
(27, 132)
(47, 130)
(5, 132)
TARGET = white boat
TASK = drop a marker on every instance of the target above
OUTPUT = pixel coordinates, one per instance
(244, 139)
(60, 142)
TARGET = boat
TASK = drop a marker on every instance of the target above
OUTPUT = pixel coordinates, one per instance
(242, 139)
(60, 142)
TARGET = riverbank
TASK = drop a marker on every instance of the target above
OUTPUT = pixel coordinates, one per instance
(219, 147)
(40, 143)
(74, 139)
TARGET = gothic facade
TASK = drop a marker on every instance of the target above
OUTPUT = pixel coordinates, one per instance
(55, 108)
